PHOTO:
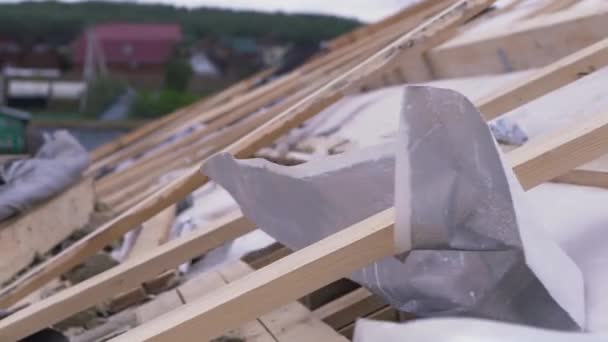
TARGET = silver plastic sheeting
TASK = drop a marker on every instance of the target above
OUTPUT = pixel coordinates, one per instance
(508, 132)
(461, 330)
(469, 246)
(58, 164)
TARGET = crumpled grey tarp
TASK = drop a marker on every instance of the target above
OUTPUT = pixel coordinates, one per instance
(475, 249)
(507, 131)
(57, 164)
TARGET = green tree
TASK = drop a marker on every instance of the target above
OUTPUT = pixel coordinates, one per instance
(178, 74)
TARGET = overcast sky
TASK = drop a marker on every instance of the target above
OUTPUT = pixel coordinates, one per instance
(365, 10)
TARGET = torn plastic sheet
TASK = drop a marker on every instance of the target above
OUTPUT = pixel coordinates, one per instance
(462, 329)
(475, 249)
(58, 164)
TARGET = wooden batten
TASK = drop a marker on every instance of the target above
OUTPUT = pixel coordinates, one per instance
(513, 42)
(36, 232)
(261, 305)
(121, 278)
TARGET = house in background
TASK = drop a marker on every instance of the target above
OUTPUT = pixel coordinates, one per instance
(206, 75)
(135, 52)
(29, 55)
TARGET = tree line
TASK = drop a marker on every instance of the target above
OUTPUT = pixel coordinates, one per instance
(58, 22)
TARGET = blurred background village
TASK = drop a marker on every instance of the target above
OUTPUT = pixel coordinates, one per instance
(99, 69)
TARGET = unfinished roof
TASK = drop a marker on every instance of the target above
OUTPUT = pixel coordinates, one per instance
(342, 99)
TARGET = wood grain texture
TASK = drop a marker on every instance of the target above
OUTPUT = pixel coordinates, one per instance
(153, 233)
(552, 77)
(584, 177)
(346, 309)
(292, 322)
(285, 280)
(553, 155)
(178, 115)
(433, 30)
(510, 43)
(121, 278)
(39, 230)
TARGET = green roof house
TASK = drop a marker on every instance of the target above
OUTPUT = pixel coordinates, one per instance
(13, 125)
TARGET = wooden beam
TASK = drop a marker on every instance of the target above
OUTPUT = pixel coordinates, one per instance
(368, 30)
(585, 177)
(346, 309)
(386, 313)
(292, 322)
(37, 231)
(563, 144)
(560, 151)
(285, 280)
(438, 26)
(155, 125)
(153, 233)
(121, 278)
(207, 283)
(204, 115)
(536, 162)
(552, 155)
(343, 59)
(552, 7)
(212, 138)
(552, 77)
(510, 43)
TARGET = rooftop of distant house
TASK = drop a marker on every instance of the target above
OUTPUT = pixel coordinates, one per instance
(130, 43)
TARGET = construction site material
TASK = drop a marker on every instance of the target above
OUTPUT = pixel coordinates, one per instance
(24, 183)
(325, 195)
(554, 76)
(132, 175)
(128, 274)
(430, 33)
(511, 42)
(27, 237)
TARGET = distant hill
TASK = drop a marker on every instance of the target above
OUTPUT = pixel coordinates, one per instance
(59, 22)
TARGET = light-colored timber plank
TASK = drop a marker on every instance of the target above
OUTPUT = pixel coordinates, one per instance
(582, 143)
(368, 30)
(291, 322)
(36, 232)
(285, 280)
(561, 151)
(153, 233)
(552, 77)
(439, 26)
(121, 278)
(510, 43)
(146, 130)
(162, 304)
(304, 76)
(386, 313)
(553, 155)
(206, 283)
(585, 177)
(346, 309)
(161, 164)
(207, 116)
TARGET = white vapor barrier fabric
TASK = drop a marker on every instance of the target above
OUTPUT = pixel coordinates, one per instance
(475, 249)
(57, 164)
(461, 330)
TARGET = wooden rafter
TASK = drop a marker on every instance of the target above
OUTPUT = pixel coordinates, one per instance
(425, 36)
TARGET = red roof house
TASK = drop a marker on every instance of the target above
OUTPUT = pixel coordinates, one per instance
(130, 49)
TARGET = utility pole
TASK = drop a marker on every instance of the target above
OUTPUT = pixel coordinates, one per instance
(94, 64)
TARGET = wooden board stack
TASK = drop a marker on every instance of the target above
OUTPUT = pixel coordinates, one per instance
(421, 43)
